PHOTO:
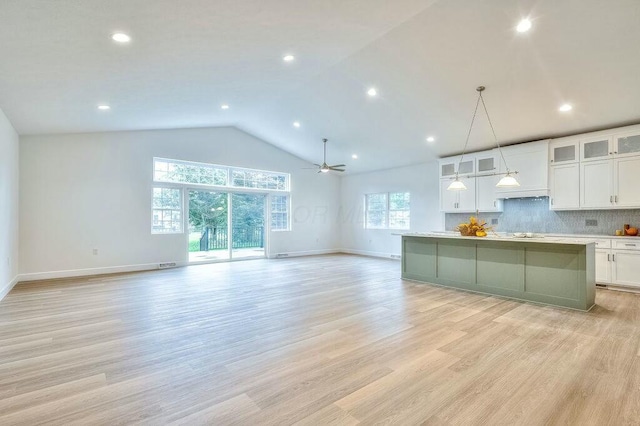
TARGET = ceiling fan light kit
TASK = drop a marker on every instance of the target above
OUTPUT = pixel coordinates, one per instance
(324, 167)
(508, 181)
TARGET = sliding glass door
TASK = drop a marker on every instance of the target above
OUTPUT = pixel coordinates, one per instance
(225, 226)
(247, 218)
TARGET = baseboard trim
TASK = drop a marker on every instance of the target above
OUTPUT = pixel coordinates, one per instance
(71, 273)
(7, 288)
(384, 255)
(284, 255)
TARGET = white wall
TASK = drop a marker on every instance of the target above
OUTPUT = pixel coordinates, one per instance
(86, 191)
(8, 205)
(420, 180)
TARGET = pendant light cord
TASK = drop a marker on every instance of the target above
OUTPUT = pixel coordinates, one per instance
(464, 150)
(494, 133)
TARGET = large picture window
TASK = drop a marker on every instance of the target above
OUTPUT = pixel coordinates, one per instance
(173, 177)
(388, 210)
(167, 211)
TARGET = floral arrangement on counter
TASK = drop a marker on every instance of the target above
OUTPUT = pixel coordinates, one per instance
(473, 228)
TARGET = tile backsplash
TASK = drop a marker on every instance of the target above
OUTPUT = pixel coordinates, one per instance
(533, 215)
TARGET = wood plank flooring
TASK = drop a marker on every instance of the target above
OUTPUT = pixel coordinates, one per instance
(337, 339)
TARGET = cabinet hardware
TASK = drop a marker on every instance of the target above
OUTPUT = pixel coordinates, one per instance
(552, 201)
(615, 152)
(608, 258)
(630, 245)
(614, 257)
(494, 203)
(611, 199)
(616, 198)
(552, 161)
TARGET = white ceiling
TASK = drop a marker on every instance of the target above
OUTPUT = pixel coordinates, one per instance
(425, 57)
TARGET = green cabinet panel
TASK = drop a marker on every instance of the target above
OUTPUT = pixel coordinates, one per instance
(419, 257)
(501, 266)
(546, 268)
(456, 261)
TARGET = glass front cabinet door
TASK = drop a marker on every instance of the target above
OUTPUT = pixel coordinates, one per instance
(596, 149)
(627, 145)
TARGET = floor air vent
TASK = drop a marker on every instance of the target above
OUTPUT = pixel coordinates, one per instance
(396, 256)
(282, 255)
(166, 265)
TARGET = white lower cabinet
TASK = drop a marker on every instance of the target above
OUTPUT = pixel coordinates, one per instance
(603, 266)
(625, 267)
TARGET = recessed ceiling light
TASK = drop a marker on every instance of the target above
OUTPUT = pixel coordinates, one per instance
(431, 139)
(354, 156)
(372, 92)
(121, 38)
(296, 124)
(104, 107)
(565, 108)
(225, 106)
(288, 58)
(524, 25)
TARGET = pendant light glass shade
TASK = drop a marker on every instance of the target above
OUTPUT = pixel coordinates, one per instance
(456, 185)
(508, 182)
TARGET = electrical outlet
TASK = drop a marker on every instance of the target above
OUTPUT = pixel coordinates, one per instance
(95, 252)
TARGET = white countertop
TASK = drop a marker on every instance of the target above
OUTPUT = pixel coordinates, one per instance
(539, 238)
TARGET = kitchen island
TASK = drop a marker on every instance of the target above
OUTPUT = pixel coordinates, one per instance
(555, 271)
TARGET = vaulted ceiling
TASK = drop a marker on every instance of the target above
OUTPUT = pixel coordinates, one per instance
(424, 57)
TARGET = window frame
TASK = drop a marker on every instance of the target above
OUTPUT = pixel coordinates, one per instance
(229, 180)
(387, 211)
(180, 210)
(287, 212)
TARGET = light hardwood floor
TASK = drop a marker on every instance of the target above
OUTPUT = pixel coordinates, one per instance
(322, 340)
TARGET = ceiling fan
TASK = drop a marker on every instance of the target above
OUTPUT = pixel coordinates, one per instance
(324, 167)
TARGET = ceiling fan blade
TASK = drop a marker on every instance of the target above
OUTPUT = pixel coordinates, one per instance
(317, 165)
(336, 170)
(339, 165)
(309, 168)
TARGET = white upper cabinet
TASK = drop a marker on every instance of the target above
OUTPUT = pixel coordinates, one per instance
(450, 165)
(626, 144)
(458, 201)
(486, 162)
(594, 149)
(564, 185)
(486, 196)
(596, 185)
(564, 152)
(626, 178)
(531, 161)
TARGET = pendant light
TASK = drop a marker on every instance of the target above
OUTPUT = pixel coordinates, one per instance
(508, 181)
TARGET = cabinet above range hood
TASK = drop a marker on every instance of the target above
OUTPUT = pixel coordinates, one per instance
(531, 161)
